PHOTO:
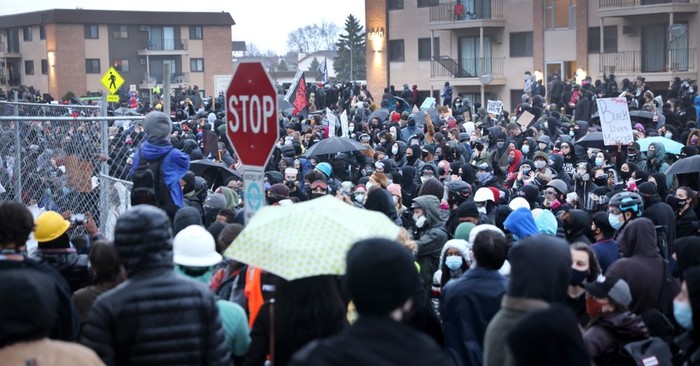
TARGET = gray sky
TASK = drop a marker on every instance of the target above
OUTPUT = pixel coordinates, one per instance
(265, 23)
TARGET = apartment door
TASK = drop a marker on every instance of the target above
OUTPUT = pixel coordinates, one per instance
(477, 9)
(554, 68)
(470, 59)
(678, 52)
(654, 51)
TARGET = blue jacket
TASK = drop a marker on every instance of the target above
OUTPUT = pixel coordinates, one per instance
(697, 106)
(521, 223)
(174, 166)
(467, 305)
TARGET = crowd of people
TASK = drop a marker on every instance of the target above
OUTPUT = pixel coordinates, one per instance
(512, 233)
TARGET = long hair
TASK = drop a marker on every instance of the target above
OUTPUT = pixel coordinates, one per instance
(307, 309)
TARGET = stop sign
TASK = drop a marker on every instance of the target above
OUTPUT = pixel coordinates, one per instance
(251, 114)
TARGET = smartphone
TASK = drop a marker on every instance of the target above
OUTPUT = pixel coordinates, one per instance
(77, 219)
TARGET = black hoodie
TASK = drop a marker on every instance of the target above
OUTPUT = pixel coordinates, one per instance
(540, 269)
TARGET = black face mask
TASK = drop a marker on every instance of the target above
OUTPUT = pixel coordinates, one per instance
(577, 277)
(315, 195)
(675, 203)
(411, 159)
(271, 200)
(479, 146)
(424, 154)
(625, 175)
(601, 182)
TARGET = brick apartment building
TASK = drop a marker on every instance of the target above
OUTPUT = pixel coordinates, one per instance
(429, 42)
(62, 50)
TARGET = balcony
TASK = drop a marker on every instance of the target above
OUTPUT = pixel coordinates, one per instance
(622, 8)
(5, 52)
(176, 80)
(674, 62)
(467, 70)
(467, 14)
(163, 47)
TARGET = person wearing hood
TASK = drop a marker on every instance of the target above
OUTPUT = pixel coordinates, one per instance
(528, 148)
(143, 238)
(430, 236)
(568, 154)
(546, 221)
(540, 274)
(468, 303)
(485, 176)
(413, 154)
(604, 247)
(195, 257)
(635, 155)
(612, 324)
(577, 225)
(27, 318)
(185, 217)
(556, 163)
(656, 161)
(480, 154)
(659, 212)
(641, 266)
(544, 144)
(521, 223)
(686, 311)
(541, 162)
(157, 146)
(454, 261)
(510, 164)
(398, 153)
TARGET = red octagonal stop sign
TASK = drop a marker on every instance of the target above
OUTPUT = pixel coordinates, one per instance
(251, 114)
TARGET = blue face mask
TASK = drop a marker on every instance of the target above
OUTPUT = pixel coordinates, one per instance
(526, 149)
(683, 314)
(598, 161)
(614, 221)
(668, 135)
(453, 262)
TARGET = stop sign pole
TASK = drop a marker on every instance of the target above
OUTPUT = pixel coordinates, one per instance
(252, 128)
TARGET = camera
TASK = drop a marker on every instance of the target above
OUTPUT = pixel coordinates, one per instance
(77, 219)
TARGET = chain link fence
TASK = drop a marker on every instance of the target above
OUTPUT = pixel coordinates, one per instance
(67, 157)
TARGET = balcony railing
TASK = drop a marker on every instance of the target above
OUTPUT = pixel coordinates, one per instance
(624, 3)
(445, 66)
(467, 10)
(152, 79)
(166, 44)
(637, 61)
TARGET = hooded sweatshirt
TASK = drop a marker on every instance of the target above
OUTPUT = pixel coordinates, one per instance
(641, 266)
(521, 223)
(174, 165)
(430, 238)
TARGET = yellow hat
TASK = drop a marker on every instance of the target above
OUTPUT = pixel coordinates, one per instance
(49, 226)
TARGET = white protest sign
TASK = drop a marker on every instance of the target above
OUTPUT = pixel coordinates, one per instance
(615, 121)
(494, 107)
(344, 124)
(332, 122)
(428, 103)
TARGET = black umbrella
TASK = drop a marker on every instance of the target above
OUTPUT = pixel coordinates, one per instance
(594, 140)
(685, 166)
(382, 114)
(406, 105)
(419, 117)
(215, 173)
(646, 118)
(334, 145)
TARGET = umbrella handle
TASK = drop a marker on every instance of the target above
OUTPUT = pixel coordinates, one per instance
(272, 332)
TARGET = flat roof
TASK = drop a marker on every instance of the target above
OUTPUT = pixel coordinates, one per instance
(118, 17)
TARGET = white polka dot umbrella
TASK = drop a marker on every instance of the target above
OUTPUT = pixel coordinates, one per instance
(307, 239)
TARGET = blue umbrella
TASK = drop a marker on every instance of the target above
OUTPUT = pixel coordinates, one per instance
(671, 146)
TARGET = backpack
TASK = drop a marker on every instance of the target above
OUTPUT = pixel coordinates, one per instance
(652, 351)
(149, 184)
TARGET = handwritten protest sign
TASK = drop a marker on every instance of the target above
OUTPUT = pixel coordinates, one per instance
(615, 121)
(525, 119)
(494, 107)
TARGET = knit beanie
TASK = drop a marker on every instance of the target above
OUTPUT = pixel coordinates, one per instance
(158, 127)
(380, 277)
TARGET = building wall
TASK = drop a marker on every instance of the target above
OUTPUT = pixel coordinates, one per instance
(97, 49)
(216, 48)
(377, 70)
(69, 43)
(34, 50)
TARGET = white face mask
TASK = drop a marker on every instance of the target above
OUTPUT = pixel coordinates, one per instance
(481, 209)
(394, 150)
(360, 197)
(539, 164)
(351, 128)
(420, 221)
(424, 179)
(368, 185)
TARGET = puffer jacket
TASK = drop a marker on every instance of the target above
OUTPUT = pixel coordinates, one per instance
(156, 317)
(72, 266)
(608, 333)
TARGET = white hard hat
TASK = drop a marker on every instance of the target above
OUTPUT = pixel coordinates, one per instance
(194, 246)
(518, 202)
(483, 194)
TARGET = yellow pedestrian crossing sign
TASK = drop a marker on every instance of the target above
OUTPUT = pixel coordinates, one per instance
(112, 80)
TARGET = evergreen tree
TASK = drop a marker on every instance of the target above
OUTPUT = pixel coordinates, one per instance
(351, 44)
(313, 69)
(282, 65)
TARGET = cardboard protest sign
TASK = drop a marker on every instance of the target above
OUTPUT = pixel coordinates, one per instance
(494, 107)
(615, 121)
(79, 174)
(525, 119)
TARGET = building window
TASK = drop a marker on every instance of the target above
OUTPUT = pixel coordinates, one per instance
(29, 67)
(121, 31)
(395, 4)
(42, 32)
(121, 65)
(610, 41)
(427, 3)
(92, 65)
(559, 14)
(196, 32)
(44, 67)
(395, 49)
(424, 48)
(197, 65)
(521, 44)
(27, 33)
(92, 31)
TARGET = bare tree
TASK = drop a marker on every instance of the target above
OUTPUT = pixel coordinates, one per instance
(312, 38)
(252, 50)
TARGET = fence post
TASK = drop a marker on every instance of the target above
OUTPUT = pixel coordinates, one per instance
(104, 168)
(18, 154)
